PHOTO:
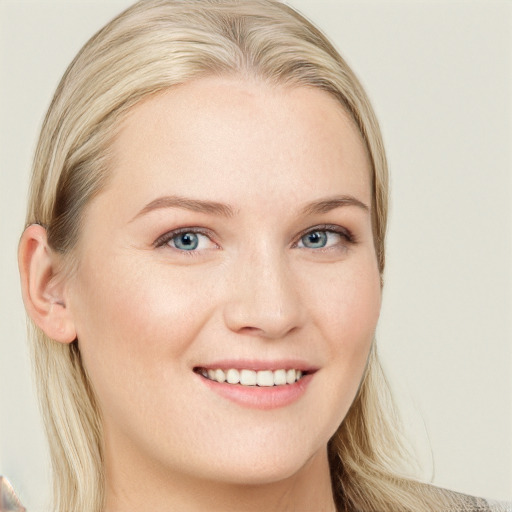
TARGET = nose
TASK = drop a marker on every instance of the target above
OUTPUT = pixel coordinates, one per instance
(263, 299)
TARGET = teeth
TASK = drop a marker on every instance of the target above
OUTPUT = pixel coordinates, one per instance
(248, 378)
(280, 377)
(220, 376)
(264, 378)
(233, 376)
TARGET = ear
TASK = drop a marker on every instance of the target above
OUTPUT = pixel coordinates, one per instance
(42, 289)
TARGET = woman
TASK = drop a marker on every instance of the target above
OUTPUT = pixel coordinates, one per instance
(154, 271)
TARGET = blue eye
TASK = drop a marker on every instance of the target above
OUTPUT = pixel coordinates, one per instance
(325, 238)
(185, 241)
(315, 239)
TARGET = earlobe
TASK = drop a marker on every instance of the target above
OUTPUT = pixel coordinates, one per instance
(42, 289)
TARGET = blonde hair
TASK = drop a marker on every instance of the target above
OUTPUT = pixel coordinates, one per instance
(152, 46)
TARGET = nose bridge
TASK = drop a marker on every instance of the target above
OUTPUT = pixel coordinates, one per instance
(263, 298)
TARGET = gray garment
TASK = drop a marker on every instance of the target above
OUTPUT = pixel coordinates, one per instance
(499, 506)
(474, 504)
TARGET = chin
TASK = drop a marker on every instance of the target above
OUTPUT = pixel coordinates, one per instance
(259, 476)
(263, 467)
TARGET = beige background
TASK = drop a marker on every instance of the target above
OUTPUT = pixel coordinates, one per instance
(439, 74)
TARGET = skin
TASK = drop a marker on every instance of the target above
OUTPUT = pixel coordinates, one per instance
(147, 313)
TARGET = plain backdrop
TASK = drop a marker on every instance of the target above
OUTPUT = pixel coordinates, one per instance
(439, 74)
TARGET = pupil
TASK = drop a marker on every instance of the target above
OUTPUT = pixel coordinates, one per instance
(187, 241)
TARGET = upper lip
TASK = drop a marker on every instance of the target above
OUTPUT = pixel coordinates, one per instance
(259, 365)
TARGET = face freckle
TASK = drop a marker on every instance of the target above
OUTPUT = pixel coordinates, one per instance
(151, 306)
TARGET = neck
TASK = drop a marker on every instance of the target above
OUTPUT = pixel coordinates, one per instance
(147, 488)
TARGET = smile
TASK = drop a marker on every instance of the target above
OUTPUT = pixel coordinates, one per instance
(244, 377)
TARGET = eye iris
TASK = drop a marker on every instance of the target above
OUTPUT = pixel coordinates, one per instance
(315, 239)
(186, 241)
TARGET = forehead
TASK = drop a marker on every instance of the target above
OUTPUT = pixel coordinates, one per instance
(229, 136)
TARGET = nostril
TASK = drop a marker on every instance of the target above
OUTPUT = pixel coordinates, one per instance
(249, 330)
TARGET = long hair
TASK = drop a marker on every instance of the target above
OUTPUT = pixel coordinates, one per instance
(152, 46)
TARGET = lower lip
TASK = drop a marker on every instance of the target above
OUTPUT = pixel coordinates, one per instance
(257, 397)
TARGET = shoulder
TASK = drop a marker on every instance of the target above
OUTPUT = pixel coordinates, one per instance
(499, 506)
(469, 503)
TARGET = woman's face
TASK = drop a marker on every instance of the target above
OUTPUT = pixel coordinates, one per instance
(234, 240)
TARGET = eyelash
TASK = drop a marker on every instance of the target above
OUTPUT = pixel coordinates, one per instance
(163, 240)
(329, 228)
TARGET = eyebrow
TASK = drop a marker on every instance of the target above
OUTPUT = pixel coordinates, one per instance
(224, 210)
(195, 205)
(326, 205)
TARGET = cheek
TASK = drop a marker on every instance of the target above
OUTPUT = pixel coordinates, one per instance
(346, 312)
(132, 325)
(347, 307)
